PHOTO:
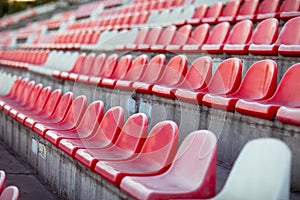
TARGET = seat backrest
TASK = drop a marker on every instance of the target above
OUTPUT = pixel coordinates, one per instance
(122, 67)
(133, 133)
(98, 65)
(248, 7)
(87, 63)
(109, 66)
(219, 33)
(266, 165)
(200, 12)
(140, 38)
(76, 111)
(175, 71)
(182, 35)
(214, 10)
(154, 69)
(230, 9)
(266, 32)
(77, 66)
(33, 96)
(241, 33)
(153, 35)
(63, 105)
(137, 68)
(2, 181)
(52, 102)
(260, 81)
(26, 91)
(10, 193)
(199, 35)
(288, 35)
(269, 6)
(42, 98)
(226, 78)
(289, 6)
(167, 35)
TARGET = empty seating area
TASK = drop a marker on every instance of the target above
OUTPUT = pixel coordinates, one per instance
(156, 99)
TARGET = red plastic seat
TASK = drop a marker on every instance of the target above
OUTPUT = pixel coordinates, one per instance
(105, 136)
(198, 15)
(69, 122)
(238, 40)
(180, 38)
(289, 115)
(212, 14)
(164, 39)
(198, 37)
(217, 38)
(289, 9)
(127, 145)
(140, 38)
(225, 80)
(266, 33)
(151, 39)
(191, 175)
(10, 193)
(152, 73)
(2, 181)
(84, 68)
(259, 83)
(268, 9)
(87, 126)
(229, 11)
(123, 66)
(248, 10)
(286, 94)
(134, 73)
(196, 78)
(155, 157)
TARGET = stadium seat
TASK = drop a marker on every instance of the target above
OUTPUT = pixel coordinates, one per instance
(154, 158)
(283, 96)
(151, 38)
(268, 9)
(140, 38)
(217, 38)
(105, 135)
(197, 39)
(266, 33)
(212, 13)
(10, 193)
(180, 38)
(239, 37)
(266, 165)
(84, 68)
(225, 80)
(2, 180)
(259, 83)
(289, 9)
(87, 126)
(164, 39)
(186, 14)
(229, 11)
(127, 145)
(198, 15)
(248, 10)
(191, 175)
(196, 78)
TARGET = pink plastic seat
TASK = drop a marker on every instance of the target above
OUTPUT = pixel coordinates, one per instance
(191, 175)
(87, 126)
(127, 145)
(198, 15)
(10, 193)
(180, 38)
(225, 80)
(197, 39)
(196, 78)
(212, 14)
(152, 73)
(105, 136)
(217, 38)
(2, 181)
(268, 9)
(155, 157)
(85, 68)
(266, 33)
(259, 83)
(229, 11)
(150, 39)
(238, 40)
(289, 115)
(248, 10)
(286, 94)
(164, 39)
(289, 9)
(134, 73)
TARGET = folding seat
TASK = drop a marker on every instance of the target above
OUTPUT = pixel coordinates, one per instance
(283, 96)
(87, 126)
(196, 78)
(84, 68)
(259, 83)
(127, 145)
(191, 175)
(104, 137)
(268, 9)
(134, 73)
(154, 158)
(180, 38)
(248, 10)
(225, 80)
(239, 37)
(229, 11)
(139, 18)
(119, 73)
(186, 14)
(197, 39)
(212, 13)
(164, 39)
(140, 38)
(153, 18)
(106, 70)
(289, 9)
(2, 180)
(217, 38)
(150, 39)
(266, 165)
(266, 33)
(172, 17)
(10, 193)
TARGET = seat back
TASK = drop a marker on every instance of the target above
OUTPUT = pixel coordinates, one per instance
(137, 68)
(32, 98)
(259, 82)
(288, 35)
(269, 6)
(199, 35)
(87, 63)
(133, 133)
(167, 35)
(140, 38)
(122, 67)
(76, 111)
(10, 193)
(26, 92)
(200, 12)
(154, 69)
(290, 6)
(2, 181)
(63, 106)
(226, 78)
(219, 33)
(175, 71)
(266, 32)
(181, 36)
(77, 66)
(98, 65)
(214, 10)
(52, 102)
(261, 171)
(230, 9)
(109, 66)
(241, 33)
(248, 8)
(42, 98)
(153, 35)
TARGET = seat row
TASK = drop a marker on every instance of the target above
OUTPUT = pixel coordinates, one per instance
(118, 152)
(9, 192)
